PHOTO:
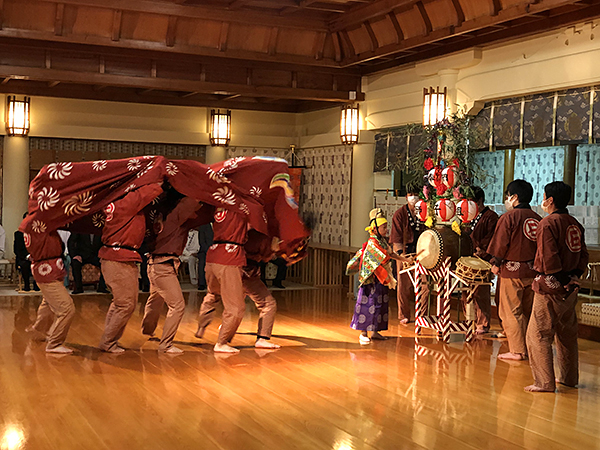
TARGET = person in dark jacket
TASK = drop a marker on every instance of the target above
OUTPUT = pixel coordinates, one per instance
(23, 261)
(83, 249)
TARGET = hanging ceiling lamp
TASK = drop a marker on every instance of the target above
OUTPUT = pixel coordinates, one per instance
(17, 116)
(220, 128)
(434, 105)
(349, 124)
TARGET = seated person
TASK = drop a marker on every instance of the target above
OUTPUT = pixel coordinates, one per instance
(23, 261)
(83, 249)
(189, 255)
(281, 272)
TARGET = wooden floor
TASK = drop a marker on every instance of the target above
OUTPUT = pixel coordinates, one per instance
(322, 390)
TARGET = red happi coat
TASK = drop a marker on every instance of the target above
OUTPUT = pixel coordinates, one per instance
(230, 235)
(46, 257)
(268, 180)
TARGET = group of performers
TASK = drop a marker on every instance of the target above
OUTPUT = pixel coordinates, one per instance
(248, 200)
(538, 263)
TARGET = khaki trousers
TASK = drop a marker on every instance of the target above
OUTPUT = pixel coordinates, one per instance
(516, 300)
(265, 303)
(164, 288)
(483, 307)
(122, 278)
(55, 313)
(225, 283)
(553, 316)
(405, 293)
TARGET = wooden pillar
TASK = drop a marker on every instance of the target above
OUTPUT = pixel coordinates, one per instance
(509, 166)
(363, 182)
(570, 168)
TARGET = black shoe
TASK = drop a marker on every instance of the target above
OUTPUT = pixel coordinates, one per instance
(103, 291)
(278, 285)
(36, 288)
(201, 287)
(77, 291)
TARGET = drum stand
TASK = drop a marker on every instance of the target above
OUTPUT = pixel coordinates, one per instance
(447, 282)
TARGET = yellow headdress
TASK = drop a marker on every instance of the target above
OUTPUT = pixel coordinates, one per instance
(376, 218)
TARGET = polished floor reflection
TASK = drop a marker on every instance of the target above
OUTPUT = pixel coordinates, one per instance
(322, 390)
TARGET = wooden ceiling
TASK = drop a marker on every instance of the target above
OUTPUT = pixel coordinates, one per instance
(279, 55)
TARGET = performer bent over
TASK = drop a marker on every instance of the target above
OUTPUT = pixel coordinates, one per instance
(56, 312)
(224, 262)
(163, 265)
(405, 232)
(122, 236)
(561, 259)
(513, 250)
(482, 230)
(373, 262)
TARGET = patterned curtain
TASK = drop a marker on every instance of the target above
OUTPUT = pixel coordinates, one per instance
(381, 148)
(540, 166)
(492, 163)
(573, 115)
(507, 123)
(325, 193)
(538, 118)
(480, 128)
(587, 180)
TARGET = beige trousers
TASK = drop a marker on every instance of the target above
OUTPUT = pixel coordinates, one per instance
(122, 278)
(483, 307)
(265, 303)
(225, 283)
(553, 317)
(516, 300)
(164, 288)
(55, 313)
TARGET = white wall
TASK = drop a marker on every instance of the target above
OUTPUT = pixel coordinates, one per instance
(556, 60)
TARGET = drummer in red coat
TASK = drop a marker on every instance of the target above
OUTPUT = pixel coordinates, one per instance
(122, 236)
(561, 259)
(406, 229)
(482, 230)
(513, 249)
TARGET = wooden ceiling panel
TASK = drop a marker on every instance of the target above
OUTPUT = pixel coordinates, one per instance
(144, 27)
(272, 78)
(86, 21)
(384, 31)
(198, 32)
(226, 74)
(508, 3)
(478, 8)
(76, 61)
(441, 13)
(115, 65)
(310, 80)
(29, 15)
(360, 40)
(249, 38)
(297, 42)
(411, 23)
(190, 70)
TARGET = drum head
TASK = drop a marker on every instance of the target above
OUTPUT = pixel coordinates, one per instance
(429, 245)
(475, 263)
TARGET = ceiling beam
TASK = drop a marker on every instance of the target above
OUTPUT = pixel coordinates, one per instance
(425, 17)
(272, 45)
(496, 7)
(319, 46)
(171, 31)
(59, 19)
(140, 82)
(372, 37)
(116, 25)
(224, 34)
(460, 14)
(237, 4)
(374, 10)
(201, 12)
(397, 27)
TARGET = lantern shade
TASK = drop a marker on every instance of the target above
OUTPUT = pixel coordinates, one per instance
(448, 176)
(445, 210)
(421, 210)
(434, 105)
(220, 128)
(17, 116)
(467, 210)
(349, 124)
